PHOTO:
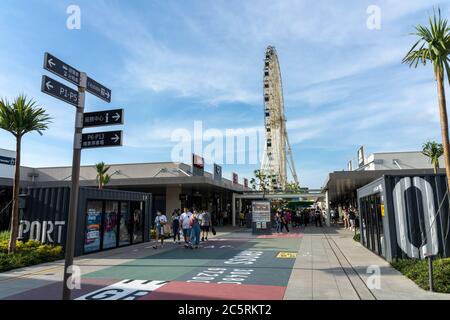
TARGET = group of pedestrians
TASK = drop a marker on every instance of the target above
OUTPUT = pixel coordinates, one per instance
(350, 217)
(193, 226)
(297, 218)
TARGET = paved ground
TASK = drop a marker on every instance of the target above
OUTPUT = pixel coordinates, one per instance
(311, 263)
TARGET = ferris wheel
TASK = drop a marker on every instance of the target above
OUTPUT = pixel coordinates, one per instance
(277, 150)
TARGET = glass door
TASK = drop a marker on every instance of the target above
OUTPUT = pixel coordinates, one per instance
(125, 227)
(92, 238)
(138, 221)
(110, 224)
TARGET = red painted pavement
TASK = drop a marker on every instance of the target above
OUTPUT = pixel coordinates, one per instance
(281, 235)
(177, 290)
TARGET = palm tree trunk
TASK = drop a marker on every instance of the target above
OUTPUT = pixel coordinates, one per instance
(15, 206)
(444, 124)
(436, 168)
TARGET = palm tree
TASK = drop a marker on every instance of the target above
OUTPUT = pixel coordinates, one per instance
(434, 46)
(433, 150)
(19, 118)
(103, 177)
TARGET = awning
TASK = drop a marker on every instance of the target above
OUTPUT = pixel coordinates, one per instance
(342, 185)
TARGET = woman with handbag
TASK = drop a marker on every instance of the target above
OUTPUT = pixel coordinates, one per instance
(160, 221)
(195, 231)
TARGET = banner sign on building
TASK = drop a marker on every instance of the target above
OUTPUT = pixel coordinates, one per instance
(235, 178)
(361, 160)
(198, 165)
(217, 172)
(8, 161)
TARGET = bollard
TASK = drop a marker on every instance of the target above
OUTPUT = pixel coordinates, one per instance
(430, 270)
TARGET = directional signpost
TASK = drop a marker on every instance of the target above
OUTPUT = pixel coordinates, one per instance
(98, 90)
(103, 118)
(81, 140)
(101, 139)
(62, 69)
(60, 91)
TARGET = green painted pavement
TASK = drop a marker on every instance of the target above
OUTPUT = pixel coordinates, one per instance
(182, 264)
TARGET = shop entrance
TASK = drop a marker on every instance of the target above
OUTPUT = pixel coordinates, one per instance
(372, 223)
(111, 224)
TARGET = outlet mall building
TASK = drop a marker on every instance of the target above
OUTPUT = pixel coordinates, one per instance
(135, 192)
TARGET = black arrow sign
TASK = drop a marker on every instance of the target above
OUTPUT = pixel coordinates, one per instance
(98, 90)
(101, 139)
(103, 118)
(62, 69)
(60, 91)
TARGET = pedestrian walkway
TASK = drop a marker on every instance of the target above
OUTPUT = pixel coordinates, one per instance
(331, 265)
(307, 263)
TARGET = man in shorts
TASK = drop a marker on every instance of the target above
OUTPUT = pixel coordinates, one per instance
(205, 223)
(185, 220)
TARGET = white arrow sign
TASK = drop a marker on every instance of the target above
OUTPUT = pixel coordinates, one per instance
(116, 116)
(48, 85)
(115, 138)
(51, 63)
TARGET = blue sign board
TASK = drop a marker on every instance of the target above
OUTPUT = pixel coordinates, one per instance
(8, 161)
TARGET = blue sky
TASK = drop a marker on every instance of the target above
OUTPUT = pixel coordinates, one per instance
(170, 63)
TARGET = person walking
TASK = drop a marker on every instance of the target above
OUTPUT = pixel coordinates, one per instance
(205, 222)
(351, 219)
(195, 231)
(278, 221)
(284, 223)
(176, 226)
(305, 217)
(346, 222)
(160, 221)
(318, 217)
(185, 220)
(241, 218)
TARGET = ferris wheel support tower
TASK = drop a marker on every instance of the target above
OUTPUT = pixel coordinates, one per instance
(277, 149)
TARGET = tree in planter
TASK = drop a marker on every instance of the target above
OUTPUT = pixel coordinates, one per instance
(103, 177)
(433, 150)
(434, 46)
(19, 118)
(293, 187)
(260, 182)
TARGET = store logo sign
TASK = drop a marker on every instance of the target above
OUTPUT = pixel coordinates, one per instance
(428, 242)
(45, 231)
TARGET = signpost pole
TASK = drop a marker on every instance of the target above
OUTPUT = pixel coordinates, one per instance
(73, 204)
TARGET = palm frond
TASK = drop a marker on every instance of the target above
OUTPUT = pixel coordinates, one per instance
(23, 116)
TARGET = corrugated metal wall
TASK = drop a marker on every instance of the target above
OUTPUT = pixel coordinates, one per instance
(46, 210)
(420, 208)
(416, 221)
(45, 214)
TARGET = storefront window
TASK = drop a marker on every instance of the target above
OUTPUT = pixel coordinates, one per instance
(125, 225)
(110, 224)
(138, 222)
(93, 222)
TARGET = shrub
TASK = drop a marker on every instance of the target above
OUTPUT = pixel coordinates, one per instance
(4, 235)
(417, 270)
(27, 253)
(357, 237)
